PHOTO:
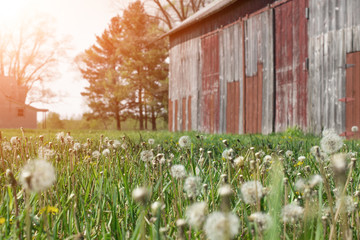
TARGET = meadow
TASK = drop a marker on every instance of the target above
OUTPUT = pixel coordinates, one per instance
(162, 185)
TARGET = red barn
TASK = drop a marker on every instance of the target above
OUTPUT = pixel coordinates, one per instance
(261, 66)
(14, 113)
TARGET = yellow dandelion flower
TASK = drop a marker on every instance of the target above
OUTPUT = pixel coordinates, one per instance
(299, 163)
(2, 220)
(49, 209)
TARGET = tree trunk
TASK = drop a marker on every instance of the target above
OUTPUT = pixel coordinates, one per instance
(118, 121)
(141, 117)
(153, 118)
(146, 117)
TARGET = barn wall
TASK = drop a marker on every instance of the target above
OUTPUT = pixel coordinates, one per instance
(184, 85)
(334, 30)
(259, 49)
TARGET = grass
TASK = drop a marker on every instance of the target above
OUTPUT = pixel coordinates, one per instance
(92, 197)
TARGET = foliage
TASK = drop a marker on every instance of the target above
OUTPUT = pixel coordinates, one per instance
(126, 69)
(92, 197)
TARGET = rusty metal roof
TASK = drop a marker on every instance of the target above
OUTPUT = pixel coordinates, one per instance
(203, 13)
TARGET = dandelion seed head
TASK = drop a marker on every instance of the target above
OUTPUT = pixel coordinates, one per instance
(239, 161)
(14, 140)
(292, 213)
(151, 141)
(116, 144)
(37, 175)
(221, 226)
(289, 153)
(338, 162)
(348, 203)
(328, 131)
(146, 155)
(178, 171)
(225, 190)
(196, 214)
(156, 207)
(300, 185)
(141, 195)
(331, 143)
(315, 180)
(228, 154)
(263, 220)
(301, 158)
(95, 154)
(77, 146)
(185, 142)
(251, 191)
(46, 153)
(106, 152)
(192, 186)
(267, 158)
(354, 128)
(6, 146)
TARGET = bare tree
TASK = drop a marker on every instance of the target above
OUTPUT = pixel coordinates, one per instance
(30, 52)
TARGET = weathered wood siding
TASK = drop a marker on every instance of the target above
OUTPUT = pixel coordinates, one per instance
(184, 85)
(231, 78)
(290, 65)
(259, 49)
(334, 31)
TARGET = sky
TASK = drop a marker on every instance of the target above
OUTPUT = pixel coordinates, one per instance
(78, 20)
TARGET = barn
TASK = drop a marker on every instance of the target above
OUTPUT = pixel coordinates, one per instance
(14, 113)
(261, 66)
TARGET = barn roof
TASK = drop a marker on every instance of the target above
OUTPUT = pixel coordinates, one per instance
(203, 13)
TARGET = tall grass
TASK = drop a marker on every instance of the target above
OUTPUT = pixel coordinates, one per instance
(92, 196)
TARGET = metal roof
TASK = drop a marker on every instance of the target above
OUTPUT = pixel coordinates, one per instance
(203, 13)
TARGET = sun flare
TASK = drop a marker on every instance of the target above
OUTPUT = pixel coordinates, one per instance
(10, 10)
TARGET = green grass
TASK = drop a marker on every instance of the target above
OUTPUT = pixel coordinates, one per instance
(94, 196)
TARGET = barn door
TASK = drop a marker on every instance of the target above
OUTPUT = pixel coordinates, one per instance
(290, 65)
(352, 98)
(210, 98)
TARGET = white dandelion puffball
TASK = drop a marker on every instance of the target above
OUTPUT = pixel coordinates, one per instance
(95, 154)
(354, 128)
(106, 152)
(37, 175)
(252, 191)
(263, 220)
(289, 153)
(13, 140)
(45, 153)
(331, 143)
(178, 171)
(196, 214)
(221, 226)
(60, 136)
(77, 146)
(339, 162)
(192, 186)
(116, 144)
(141, 195)
(292, 213)
(185, 142)
(146, 155)
(315, 180)
(151, 141)
(328, 131)
(228, 154)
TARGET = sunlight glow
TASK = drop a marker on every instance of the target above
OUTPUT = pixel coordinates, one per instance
(10, 10)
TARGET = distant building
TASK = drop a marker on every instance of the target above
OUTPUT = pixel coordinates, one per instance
(261, 66)
(14, 113)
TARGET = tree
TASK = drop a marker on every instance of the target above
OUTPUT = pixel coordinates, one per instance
(29, 53)
(107, 92)
(172, 12)
(54, 121)
(144, 63)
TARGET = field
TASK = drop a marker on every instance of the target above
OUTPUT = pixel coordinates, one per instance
(161, 185)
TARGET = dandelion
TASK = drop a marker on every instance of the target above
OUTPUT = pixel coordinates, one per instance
(300, 185)
(267, 158)
(196, 214)
(301, 158)
(156, 207)
(262, 220)
(354, 129)
(228, 154)
(338, 162)
(331, 143)
(14, 140)
(292, 213)
(49, 209)
(60, 136)
(328, 131)
(192, 186)
(146, 155)
(141, 195)
(151, 141)
(46, 153)
(185, 142)
(239, 161)
(77, 146)
(2, 220)
(289, 153)
(178, 171)
(6, 146)
(221, 226)
(225, 190)
(106, 152)
(116, 144)
(348, 203)
(68, 139)
(251, 191)
(37, 175)
(315, 180)
(95, 154)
